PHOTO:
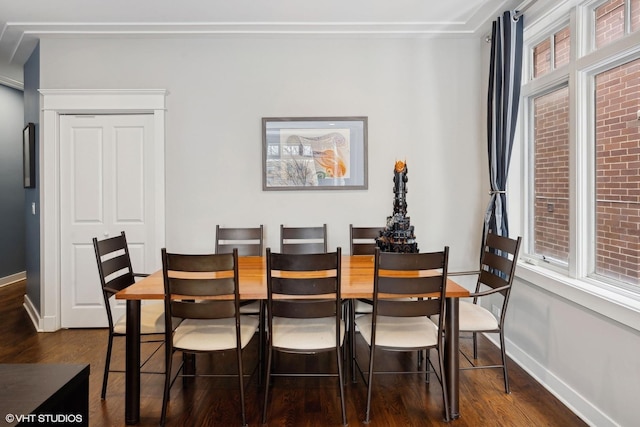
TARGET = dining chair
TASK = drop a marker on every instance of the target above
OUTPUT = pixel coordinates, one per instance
(304, 312)
(408, 288)
(248, 240)
(202, 291)
(497, 269)
(363, 239)
(303, 240)
(116, 273)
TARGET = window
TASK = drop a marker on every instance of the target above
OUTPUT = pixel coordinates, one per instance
(582, 139)
(617, 140)
(551, 175)
(609, 22)
(615, 18)
(551, 53)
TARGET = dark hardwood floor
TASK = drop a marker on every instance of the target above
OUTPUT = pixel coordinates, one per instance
(398, 400)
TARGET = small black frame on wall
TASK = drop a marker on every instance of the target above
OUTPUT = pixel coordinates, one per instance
(29, 155)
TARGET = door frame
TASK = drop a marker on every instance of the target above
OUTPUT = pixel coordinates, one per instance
(55, 102)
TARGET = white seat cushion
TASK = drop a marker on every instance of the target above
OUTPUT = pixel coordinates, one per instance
(151, 319)
(407, 332)
(306, 334)
(474, 317)
(252, 308)
(213, 334)
(362, 307)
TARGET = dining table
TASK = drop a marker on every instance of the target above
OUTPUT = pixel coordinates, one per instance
(356, 282)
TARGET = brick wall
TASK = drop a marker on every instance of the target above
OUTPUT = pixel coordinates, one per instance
(562, 44)
(609, 22)
(618, 173)
(635, 15)
(542, 58)
(551, 227)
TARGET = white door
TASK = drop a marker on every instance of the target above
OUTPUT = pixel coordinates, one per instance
(106, 186)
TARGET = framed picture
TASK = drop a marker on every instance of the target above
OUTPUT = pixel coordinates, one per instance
(314, 153)
(29, 155)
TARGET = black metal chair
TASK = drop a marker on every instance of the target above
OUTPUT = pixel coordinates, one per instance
(497, 269)
(304, 312)
(116, 274)
(248, 241)
(202, 291)
(363, 239)
(303, 240)
(363, 242)
(409, 288)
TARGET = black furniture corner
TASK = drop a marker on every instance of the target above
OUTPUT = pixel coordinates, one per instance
(44, 394)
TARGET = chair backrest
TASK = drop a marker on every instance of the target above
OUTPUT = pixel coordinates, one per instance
(303, 285)
(114, 267)
(400, 276)
(498, 265)
(189, 280)
(363, 239)
(303, 240)
(248, 241)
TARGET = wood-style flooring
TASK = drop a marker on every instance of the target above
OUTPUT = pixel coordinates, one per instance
(398, 400)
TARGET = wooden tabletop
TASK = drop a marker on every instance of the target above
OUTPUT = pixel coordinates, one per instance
(357, 281)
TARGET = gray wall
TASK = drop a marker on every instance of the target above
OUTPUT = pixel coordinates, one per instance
(422, 98)
(12, 223)
(31, 195)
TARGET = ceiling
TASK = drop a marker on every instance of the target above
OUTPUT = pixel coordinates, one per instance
(23, 22)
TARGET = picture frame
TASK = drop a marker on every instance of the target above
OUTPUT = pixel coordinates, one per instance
(29, 155)
(314, 153)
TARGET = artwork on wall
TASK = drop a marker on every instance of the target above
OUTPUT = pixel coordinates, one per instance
(29, 155)
(314, 153)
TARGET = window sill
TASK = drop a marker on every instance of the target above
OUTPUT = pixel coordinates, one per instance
(603, 300)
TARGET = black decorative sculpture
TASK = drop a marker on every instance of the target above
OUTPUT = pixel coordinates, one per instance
(398, 235)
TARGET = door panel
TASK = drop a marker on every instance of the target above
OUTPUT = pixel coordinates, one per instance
(106, 186)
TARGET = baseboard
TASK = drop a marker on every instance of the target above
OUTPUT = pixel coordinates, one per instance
(33, 313)
(13, 278)
(571, 398)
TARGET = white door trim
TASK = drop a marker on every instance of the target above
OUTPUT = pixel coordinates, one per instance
(81, 101)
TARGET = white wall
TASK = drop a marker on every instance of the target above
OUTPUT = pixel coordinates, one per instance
(422, 98)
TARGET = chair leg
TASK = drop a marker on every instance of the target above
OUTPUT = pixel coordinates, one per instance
(241, 384)
(352, 338)
(167, 386)
(475, 345)
(443, 380)
(107, 365)
(267, 380)
(341, 383)
(367, 417)
(261, 341)
(426, 365)
(504, 363)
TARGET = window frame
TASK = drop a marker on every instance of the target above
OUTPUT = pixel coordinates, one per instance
(577, 281)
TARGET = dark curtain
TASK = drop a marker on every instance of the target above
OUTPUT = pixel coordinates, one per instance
(505, 74)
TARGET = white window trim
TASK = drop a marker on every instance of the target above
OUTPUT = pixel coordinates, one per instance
(614, 302)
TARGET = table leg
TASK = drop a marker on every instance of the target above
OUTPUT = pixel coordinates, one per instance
(132, 375)
(451, 361)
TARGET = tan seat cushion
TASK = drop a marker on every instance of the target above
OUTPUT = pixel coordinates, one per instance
(306, 334)
(151, 319)
(474, 317)
(213, 334)
(403, 332)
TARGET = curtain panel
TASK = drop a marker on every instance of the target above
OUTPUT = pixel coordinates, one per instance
(505, 76)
